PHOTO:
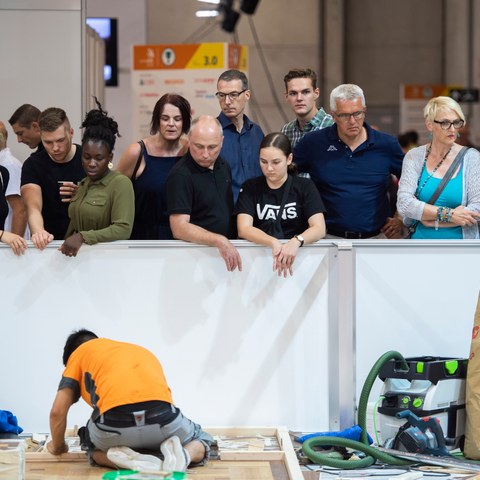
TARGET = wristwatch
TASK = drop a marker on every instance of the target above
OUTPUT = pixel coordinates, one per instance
(300, 239)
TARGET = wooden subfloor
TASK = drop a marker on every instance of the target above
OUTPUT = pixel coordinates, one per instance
(215, 470)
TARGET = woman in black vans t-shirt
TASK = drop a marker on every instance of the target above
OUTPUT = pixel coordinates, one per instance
(262, 198)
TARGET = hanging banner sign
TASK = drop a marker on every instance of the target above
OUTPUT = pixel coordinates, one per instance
(190, 70)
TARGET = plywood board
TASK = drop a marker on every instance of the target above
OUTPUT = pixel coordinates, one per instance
(284, 449)
(259, 457)
(33, 457)
(214, 470)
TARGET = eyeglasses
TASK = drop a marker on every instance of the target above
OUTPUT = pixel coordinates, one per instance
(345, 117)
(230, 95)
(445, 124)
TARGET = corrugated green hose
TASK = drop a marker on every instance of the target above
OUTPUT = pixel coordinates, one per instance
(373, 454)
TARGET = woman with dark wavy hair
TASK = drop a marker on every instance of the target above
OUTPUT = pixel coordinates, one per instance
(148, 162)
(102, 209)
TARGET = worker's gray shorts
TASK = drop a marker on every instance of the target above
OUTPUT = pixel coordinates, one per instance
(148, 436)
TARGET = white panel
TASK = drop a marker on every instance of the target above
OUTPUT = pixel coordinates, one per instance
(131, 16)
(243, 348)
(418, 300)
(41, 64)
(40, 4)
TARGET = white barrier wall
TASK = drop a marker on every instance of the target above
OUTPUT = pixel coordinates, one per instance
(237, 348)
(241, 348)
(418, 299)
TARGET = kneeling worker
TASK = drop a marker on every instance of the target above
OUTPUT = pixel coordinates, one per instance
(132, 407)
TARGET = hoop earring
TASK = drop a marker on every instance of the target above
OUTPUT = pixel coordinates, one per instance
(110, 165)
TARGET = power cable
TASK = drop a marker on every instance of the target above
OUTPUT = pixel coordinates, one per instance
(266, 69)
(256, 112)
(207, 26)
(235, 37)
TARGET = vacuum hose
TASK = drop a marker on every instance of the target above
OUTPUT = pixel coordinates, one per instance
(373, 454)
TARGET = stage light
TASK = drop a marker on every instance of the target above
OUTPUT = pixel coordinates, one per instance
(249, 6)
(230, 19)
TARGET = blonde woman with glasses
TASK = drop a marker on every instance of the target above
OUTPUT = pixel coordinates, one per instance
(439, 190)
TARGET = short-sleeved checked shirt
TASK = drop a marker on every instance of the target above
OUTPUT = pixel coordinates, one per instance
(319, 121)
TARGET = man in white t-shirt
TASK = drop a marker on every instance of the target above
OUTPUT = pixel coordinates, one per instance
(16, 221)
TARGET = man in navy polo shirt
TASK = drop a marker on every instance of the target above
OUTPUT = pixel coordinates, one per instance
(199, 193)
(351, 165)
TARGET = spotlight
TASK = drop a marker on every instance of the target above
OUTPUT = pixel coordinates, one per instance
(230, 19)
(249, 6)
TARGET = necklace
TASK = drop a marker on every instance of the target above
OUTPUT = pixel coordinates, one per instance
(437, 166)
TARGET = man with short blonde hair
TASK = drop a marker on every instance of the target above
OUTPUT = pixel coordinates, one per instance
(49, 175)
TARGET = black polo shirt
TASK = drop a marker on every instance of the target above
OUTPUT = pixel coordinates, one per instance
(204, 194)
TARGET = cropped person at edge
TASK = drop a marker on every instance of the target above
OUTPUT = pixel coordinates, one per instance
(454, 215)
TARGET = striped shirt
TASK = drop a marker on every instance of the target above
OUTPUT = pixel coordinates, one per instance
(319, 121)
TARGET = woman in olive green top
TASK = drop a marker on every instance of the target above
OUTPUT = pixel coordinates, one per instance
(102, 209)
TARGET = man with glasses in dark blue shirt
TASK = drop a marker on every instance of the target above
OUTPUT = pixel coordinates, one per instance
(241, 137)
(351, 164)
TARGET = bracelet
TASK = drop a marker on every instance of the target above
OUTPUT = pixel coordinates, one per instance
(444, 214)
(1, 235)
(449, 214)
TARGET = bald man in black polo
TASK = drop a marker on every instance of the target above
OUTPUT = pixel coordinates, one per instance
(199, 193)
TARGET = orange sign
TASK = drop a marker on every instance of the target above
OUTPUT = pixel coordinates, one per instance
(190, 56)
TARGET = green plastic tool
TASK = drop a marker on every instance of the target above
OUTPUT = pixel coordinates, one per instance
(138, 475)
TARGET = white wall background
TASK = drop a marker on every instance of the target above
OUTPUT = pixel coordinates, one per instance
(418, 300)
(375, 43)
(41, 60)
(131, 16)
(288, 32)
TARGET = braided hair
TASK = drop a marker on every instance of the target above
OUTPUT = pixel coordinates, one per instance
(99, 127)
